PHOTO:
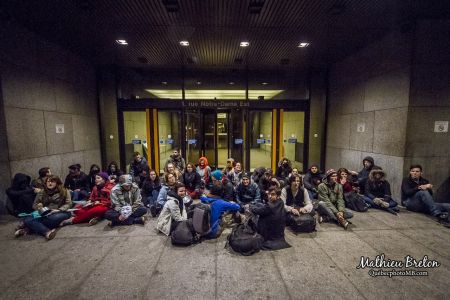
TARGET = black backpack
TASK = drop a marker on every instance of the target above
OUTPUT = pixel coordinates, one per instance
(184, 234)
(244, 240)
(301, 223)
(355, 201)
(201, 218)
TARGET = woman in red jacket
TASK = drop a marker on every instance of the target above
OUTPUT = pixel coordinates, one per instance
(99, 202)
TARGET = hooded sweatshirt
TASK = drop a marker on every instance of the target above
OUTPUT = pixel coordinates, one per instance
(218, 208)
(283, 170)
(363, 175)
(311, 180)
(21, 194)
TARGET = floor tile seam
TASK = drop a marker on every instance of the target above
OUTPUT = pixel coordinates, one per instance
(147, 286)
(78, 286)
(339, 268)
(281, 276)
(216, 284)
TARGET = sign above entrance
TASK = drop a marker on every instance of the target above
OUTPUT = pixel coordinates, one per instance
(215, 103)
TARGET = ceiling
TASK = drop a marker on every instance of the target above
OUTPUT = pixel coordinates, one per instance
(214, 29)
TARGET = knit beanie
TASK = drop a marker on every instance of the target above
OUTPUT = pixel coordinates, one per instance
(217, 174)
(103, 175)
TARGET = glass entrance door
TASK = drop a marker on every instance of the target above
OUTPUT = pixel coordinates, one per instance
(260, 141)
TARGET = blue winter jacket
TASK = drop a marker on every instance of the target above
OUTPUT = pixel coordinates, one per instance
(218, 207)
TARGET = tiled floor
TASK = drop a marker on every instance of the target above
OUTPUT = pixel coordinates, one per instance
(136, 262)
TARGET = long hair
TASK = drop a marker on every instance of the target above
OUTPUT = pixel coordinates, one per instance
(59, 186)
(343, 170)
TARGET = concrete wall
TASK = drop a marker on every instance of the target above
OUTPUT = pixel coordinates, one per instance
(317, 118)
(108, 111)
(430, 101)
(368, 107)
(44, 85)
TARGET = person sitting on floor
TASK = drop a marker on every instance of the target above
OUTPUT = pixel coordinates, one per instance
(171, 169)
(235, 175)
(311, 181)
(296, 198)
(192, 181)
(219, 179)
(177, 160)
(377, 192)
(363, 175)
(166, 187)
(417, 195)
(52, 203)
(94, 170)
(247, 192)
(218, 208)
(39, 182)
(229, 166)
(271, 220)
(114, 172)
(150, 189)
(174, 210)
(284, 169)
(99, 202)
(266, 182)
(21, 194)
(204, 170)
(137, 165)
(77, 182)
(127, 207)
(331, 201)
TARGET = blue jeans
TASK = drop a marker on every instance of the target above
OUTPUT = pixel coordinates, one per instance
(45, 224)
(422, 201)
(79, 196)
(151, 200)
(392, 202)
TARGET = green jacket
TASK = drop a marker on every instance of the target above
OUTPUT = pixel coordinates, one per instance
(121, 197)
(333, 198)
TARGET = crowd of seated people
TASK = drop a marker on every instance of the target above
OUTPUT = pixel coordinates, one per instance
(46, 203)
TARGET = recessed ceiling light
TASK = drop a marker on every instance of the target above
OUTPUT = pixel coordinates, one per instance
(164, 82)
(184, 43)
(264, 83)
(122, 42)
(199, 82)
(231, 83)
(244, 44)
(303, 45)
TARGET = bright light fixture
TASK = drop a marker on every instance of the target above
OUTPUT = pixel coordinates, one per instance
(184, 43)
(303, 45)
(122, 42)
(164, 82)
(245, 44)
(231, 83)
(211, 94)
(264, 83)
(199, 82)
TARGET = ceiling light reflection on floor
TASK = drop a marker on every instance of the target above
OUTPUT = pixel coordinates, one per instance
(214, 94)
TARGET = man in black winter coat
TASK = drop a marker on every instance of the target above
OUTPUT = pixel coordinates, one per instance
(417, 195)
(271, 221)
(363, 175)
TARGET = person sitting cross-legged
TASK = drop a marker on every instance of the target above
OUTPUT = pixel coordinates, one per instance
(331, 201)
(247, 192)
(271, 220)
(174, 210)
(98, 204)
(377, 192)
(296, 199)
(127, 204)
(417, 195)
(218, 208)
(52, 203)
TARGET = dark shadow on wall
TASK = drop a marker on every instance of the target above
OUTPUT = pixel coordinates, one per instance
(443, 192)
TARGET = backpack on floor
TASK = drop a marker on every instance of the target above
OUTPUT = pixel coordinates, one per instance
(201, 218)
(302, 223)
(244, 240)
(355, 201)
(184, 234)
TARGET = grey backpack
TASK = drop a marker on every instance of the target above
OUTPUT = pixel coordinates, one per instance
(201, 218)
